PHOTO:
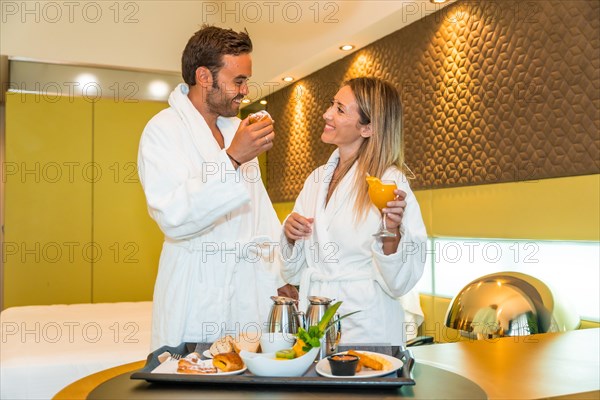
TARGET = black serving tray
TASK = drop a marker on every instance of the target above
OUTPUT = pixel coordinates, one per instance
(399, 378)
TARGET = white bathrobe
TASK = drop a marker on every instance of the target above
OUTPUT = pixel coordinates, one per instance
(217, 269)
(343, 261)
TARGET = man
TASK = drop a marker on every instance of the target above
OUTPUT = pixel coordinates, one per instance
(197, 165)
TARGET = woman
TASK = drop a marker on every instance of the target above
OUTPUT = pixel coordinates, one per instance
(329, 248)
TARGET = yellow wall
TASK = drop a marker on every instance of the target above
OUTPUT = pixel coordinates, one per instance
(548, 209)
(76, 225)
(47, 209)
(130, 240)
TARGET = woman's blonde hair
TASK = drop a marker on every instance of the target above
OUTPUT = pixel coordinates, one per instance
(379, 104)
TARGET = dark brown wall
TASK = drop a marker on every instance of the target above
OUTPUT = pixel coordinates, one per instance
(493, 91)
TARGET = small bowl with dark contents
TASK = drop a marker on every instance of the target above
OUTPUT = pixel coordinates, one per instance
(343, 364)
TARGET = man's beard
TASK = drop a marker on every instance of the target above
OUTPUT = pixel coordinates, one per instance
(219, 103)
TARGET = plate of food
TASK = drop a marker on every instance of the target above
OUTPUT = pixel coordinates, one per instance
(370, 365)
(221, 364)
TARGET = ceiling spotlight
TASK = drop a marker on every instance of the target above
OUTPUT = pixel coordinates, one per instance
(263, 102)
(246, 101)
(287, 79)
(159, 89)
(438, 1)
(347, 47)
(86, 79)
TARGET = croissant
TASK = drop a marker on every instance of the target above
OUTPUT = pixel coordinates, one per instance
(227, 362)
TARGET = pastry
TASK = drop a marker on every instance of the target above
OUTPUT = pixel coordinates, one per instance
(192, 364)
(228, 362)
(222, 345)
(258, 116)
(371, 361)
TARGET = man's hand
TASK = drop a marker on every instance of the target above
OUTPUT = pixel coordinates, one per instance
(250, 140)
(288, 291)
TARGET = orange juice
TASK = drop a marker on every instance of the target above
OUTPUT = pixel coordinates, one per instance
(380, 193)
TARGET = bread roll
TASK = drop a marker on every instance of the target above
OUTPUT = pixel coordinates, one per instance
(228, 362)
(222, 345)
(248, 342)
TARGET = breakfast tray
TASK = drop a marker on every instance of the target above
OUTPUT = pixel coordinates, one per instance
(396, 379)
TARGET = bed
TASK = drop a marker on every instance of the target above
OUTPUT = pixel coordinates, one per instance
(45, 348)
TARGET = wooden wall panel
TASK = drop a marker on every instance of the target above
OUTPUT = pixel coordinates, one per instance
(492, 91)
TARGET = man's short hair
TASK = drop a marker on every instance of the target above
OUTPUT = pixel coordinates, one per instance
(207, 47)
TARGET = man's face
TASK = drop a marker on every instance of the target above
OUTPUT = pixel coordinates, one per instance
(231, 86)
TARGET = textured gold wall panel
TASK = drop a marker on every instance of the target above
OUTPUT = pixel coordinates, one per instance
(493, 91)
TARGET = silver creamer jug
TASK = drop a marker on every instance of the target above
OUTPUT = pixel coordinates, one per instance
(316, 308)
(284, 317)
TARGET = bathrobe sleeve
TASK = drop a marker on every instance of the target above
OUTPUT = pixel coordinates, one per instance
(294, 257)
(399, 272)
(185, 194)
(269, 227)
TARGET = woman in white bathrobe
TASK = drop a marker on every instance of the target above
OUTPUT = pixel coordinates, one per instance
(328, 245)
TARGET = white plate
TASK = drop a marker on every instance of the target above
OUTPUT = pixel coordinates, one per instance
(170, 367)
(324, 369)
(207, 354)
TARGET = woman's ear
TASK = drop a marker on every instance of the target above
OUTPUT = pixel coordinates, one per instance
(365, 131)
(204, 77)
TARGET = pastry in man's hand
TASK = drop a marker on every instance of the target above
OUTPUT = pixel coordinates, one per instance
(228, 362)
(259, 116)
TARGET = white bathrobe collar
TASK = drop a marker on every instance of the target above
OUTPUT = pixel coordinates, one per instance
(343, 193)
(206, 145)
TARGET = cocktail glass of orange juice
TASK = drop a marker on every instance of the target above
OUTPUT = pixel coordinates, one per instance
(380, 192)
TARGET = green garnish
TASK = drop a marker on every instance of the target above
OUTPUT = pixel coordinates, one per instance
(312, 337)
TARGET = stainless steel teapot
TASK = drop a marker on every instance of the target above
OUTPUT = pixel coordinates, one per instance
(314, 312)
(284, 317)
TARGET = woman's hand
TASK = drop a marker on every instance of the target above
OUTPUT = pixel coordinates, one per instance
(394, 211)
(297, 227)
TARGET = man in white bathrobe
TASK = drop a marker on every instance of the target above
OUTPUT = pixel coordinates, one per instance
(198, 167)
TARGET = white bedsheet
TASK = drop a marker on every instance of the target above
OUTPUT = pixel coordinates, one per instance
(45, 348)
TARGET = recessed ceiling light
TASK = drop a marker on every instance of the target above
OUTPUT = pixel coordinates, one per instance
(347, 47)
(246, 101)
(287, 79)
(438, 1)
(263, 102)
(86, 78)
(159, 88)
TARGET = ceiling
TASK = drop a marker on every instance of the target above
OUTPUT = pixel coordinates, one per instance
(290, 37)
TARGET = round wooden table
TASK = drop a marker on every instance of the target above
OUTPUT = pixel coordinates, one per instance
(115, 383)
(79, 390)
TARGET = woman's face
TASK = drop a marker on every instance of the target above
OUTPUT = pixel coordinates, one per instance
(342, 127)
